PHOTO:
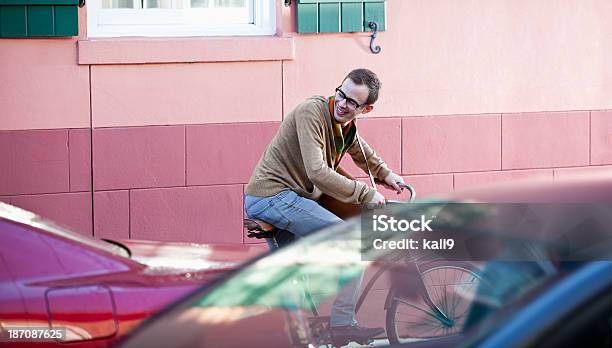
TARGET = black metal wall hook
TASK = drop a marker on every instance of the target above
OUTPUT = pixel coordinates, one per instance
(374, 26)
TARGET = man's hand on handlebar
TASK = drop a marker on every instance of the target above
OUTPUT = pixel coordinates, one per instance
(378, 200)
(393, 181)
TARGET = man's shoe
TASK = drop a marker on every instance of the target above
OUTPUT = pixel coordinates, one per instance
(343, 335)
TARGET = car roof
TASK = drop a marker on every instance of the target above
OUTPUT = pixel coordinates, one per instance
(590, 188)
(580, 190)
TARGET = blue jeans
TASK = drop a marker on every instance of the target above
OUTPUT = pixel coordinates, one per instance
(296, 217)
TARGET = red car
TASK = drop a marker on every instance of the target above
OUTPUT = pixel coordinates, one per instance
(97, 290)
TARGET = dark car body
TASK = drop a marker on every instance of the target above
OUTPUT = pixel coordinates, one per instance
(98, 291)
(534, 302)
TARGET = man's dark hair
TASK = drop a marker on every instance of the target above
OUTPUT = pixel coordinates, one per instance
(368, 78)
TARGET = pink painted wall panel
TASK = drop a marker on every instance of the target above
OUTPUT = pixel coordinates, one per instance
(601, 137)
(34, 161)
(72, 210)
(384, 136)
(5, 199)
(285, 23)
(315, 72)
(465, 180)
(540, 140)
(79, 147)
(139, 157)
(563, 174)
(443, 144)
(479, 57)
(191, 214)
(82, 23)
(426, 185)
(225, 153)
(112, 214)
(42, 86)
(152, 94)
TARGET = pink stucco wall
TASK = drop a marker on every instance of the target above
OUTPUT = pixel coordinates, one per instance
(156, 138)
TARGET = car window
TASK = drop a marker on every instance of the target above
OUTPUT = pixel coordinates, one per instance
(10, 297)
(27, 253)
(83, 260)
(15, 214)
(35, 254)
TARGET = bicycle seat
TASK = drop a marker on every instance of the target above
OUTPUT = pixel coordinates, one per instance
(259, 229)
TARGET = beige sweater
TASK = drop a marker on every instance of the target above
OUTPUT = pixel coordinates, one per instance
(301, 155)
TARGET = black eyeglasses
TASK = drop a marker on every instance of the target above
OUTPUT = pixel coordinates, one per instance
(352, 103)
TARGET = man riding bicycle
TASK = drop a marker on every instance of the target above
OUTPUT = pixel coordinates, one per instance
(302, 163)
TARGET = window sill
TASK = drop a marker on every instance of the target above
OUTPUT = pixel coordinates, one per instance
(184, 50)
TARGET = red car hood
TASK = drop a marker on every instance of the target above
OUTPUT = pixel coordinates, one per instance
(173, 257)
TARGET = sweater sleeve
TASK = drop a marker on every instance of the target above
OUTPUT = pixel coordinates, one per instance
(377, 165)
(310, 131)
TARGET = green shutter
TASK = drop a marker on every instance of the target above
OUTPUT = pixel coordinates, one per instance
(66, 23)
(308, 20)
(13, 21)
(374, 12)
(329, 19)
(38, 18)
(329, 16)
(352, 17)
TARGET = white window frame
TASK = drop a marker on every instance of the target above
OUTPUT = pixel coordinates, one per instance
(260, 20)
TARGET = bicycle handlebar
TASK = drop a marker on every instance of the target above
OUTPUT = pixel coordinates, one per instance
(411, 189)
(412, 194)
(392, 201)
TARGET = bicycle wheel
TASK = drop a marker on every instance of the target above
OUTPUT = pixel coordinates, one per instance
(451, 286)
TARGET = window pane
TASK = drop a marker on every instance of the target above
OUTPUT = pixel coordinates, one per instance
(199, 3)
(159, 3)
(117, 3)
(230, 3)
